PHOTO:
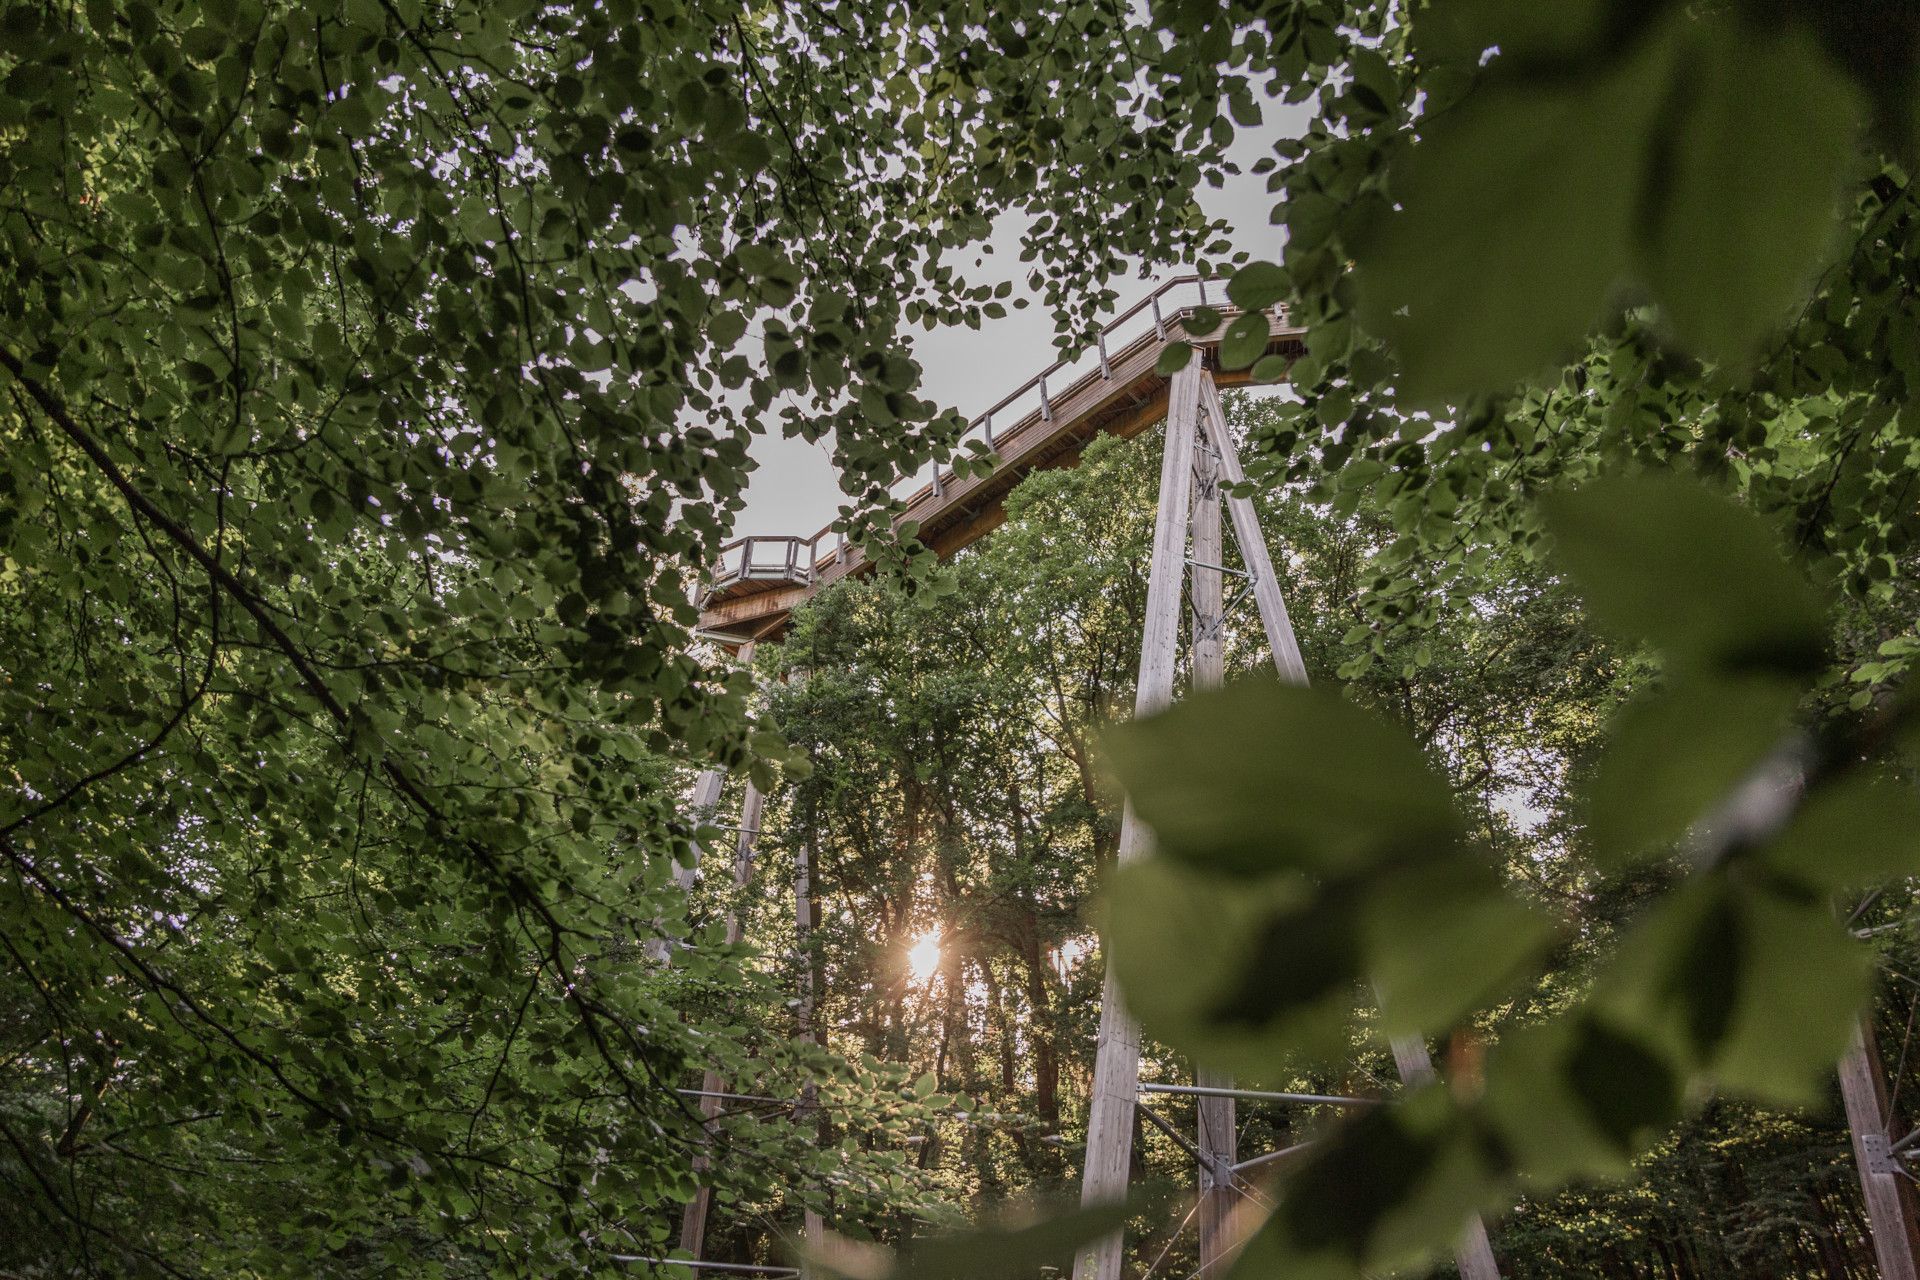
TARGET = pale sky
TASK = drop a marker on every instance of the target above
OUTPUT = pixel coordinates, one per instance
(794, 491)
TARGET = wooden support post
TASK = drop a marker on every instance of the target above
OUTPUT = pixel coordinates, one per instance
(1474, 1253)
(1217, 1139)
(706, 797)
(693, 1222)
(814, 1226)
(1116, 1070)
(1889, 1196)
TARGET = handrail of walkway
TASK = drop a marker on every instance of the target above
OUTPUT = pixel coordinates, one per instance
(798, 559)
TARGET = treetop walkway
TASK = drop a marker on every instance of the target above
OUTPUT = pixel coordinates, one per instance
(1115, 388)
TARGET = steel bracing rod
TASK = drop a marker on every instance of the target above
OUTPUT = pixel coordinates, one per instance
(1474, 1254)
(1271, 1156)
(1224, 1172)
(1259, 1095)
(1116, 1067)
(1218, 568)
(735, 1268)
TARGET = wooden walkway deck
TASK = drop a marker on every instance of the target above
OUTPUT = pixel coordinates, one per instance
(759, 581)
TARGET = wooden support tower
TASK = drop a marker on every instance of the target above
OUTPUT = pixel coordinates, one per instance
(754, 591)
(1197, 427)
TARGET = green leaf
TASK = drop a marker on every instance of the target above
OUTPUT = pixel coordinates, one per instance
(1515, 223)
(1851, 834)
(1271, 368)
(1239, 974)
(1382, 1191)
(1672, 756)
(1753, 184)
(1245, 341)
(1261, 776)
(1673, 563)
(1257, 285)
(1578, 1097)
(1444, 938)
(1172, 359)
(1755, 991)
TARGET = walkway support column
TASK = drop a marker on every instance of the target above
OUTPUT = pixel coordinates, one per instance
(814, 1227)
(1116, 1069)
(1474, 1253)
(693, 1222)
(1889, 1196)
(1217, 1140)
(706, 798)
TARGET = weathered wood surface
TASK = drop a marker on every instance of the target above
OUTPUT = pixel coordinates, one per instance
(1130, 397)
(1116, 1066)
(1889, 1196)
(1217, 1141)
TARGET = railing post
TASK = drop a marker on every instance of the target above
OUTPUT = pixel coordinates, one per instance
(1046, 404)
(1159, 325)
(1100, 340)
(987, 424)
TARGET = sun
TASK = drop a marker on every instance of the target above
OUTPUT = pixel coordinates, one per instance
(923, 957)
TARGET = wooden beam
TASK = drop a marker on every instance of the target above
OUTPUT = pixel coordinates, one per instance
(706, 797)
(1218, 1148)
(1116, 1070)
(1889, 1195)
(813, 1226)
(1474, 1253)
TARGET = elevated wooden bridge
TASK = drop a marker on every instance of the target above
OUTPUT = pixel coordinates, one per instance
(1114, 389)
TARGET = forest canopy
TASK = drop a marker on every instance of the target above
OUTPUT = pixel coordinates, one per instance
(377, 381)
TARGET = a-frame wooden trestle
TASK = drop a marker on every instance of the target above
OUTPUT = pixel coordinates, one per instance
(1199, 458)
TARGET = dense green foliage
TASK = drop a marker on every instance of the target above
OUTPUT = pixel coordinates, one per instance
(376, 378)
(377, 375)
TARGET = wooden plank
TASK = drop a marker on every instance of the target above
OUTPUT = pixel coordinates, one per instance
(1116, 1069)
(1474, 1254)
(1889, 1197)
(1217, 1141)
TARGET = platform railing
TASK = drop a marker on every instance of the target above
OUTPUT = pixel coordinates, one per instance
(765, 558)
(802, 559)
